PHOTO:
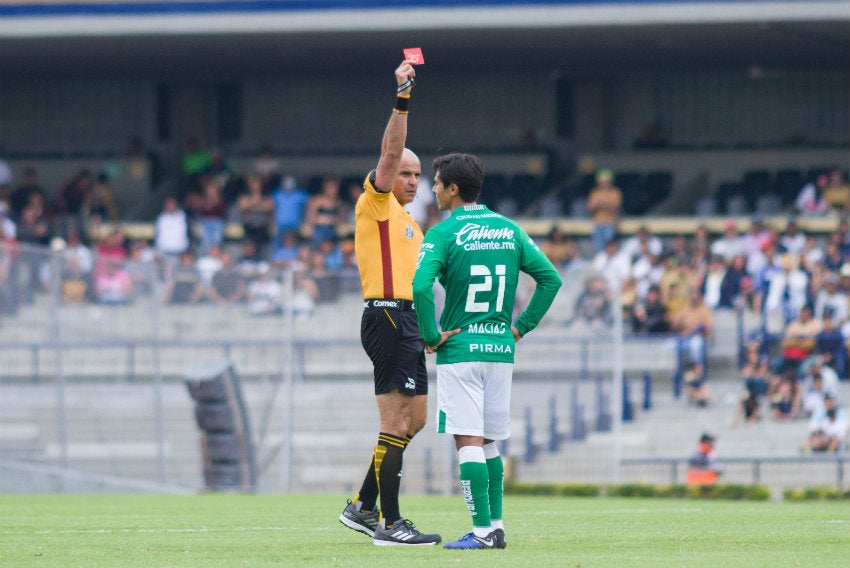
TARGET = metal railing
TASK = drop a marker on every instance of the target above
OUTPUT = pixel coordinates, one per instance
(756, 466)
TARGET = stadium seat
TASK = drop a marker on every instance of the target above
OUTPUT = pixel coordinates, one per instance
(525, 188)
(494, 189)
(788, 183)
(658, 185)
(768, 204)
(630, 183)
(755, 183)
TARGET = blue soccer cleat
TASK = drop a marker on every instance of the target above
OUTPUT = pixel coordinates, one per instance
(471, 542)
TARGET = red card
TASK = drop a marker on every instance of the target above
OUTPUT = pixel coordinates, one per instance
(414, 56)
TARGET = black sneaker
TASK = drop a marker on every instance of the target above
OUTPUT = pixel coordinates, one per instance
(403, 533)
(361, 521)
(499, 538)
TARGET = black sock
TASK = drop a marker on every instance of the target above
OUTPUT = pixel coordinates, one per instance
(368, 494)
(388, 460)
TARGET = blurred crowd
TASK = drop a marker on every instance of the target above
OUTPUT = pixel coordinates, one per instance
(798, 282)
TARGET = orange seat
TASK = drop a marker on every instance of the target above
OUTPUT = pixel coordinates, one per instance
(701, 477)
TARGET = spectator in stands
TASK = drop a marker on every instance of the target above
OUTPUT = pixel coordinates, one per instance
(290, 202)
(712, 282)
(603, 204)
(813, 254)
(694, 323)
(730, 244)
(8, 274)
(556, 246)
(172, 237)
(219, 170)
(755, 236)
(208, 265)
(33, 233)
(647, 271)
(76, 253)
(682, 249)
(732, 287)
(703, 467)
(833, 258)
(287, 249)
(69, 203)
(642, 243)
(327, 282)
(787, 288)
(798, 341)
(792, 240)
(593, 305)
(195, 160)
(649, 314)
(812, 400)
(101, 203)
(749, 408)
(810, 201)
(305, 294)
(22, 196)
(75, 285)
(818, 364)
(141, 266)
(785, 399)
(109, 248)
(6, 222)
(829, 299)
(255, 211)
(183, 284)
(828, 429)
(268, 168)
(332, 253)
(228, 285)
(113, 284)
(614, 266)
(695, 380)
(324, 213)
(675, 286)
(755, 371)
(210, 209)
(836, 194)
(265, 294)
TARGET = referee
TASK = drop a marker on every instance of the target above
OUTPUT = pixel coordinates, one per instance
(386, 245)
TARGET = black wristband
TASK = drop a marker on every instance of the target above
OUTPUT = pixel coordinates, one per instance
(402, 104)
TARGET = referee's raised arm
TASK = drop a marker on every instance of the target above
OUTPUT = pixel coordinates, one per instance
(392, 145)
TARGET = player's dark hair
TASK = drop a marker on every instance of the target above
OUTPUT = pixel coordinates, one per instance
(464, 170)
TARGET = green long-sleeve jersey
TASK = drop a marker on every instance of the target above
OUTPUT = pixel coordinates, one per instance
(477, 256)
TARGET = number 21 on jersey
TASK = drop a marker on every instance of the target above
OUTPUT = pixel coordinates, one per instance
(478, 291)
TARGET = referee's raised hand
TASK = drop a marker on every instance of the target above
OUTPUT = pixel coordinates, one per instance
(404, 75)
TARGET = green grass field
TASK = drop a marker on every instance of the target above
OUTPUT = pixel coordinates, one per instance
(302, 530)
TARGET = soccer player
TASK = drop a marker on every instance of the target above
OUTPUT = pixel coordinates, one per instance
(477, 255)
(386, 245)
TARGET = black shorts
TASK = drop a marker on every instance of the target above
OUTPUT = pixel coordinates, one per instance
(390, 336)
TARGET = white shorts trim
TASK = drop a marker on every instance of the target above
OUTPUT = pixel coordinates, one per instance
(474, 399)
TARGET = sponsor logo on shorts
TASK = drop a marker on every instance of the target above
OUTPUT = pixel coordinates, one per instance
(410, 383)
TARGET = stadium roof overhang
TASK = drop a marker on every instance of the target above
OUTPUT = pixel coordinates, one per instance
(566, 38)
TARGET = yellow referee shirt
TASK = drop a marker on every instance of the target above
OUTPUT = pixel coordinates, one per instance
(386, 244)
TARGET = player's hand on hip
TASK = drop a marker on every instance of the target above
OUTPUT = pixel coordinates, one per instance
(516, 333)
(444, 336)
